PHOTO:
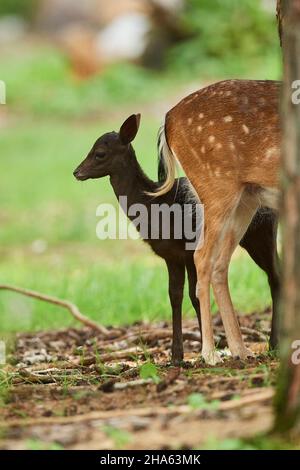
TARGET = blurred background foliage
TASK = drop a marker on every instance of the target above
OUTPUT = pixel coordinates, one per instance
(23, 8)
(230, 37)
(220, 38)
(65, 88)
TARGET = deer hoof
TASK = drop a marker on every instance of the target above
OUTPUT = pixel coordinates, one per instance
(212, 357)
(177, 358)
(243, 354)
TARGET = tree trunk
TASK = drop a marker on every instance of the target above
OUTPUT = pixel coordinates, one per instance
(279, 14)
(288, 395)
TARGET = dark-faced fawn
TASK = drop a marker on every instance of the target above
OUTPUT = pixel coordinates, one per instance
(227, 138)
(113, 155)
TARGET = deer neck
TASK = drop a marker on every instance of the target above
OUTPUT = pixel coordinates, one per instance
(132, 182)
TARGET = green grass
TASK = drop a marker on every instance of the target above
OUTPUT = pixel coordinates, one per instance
(114, 281)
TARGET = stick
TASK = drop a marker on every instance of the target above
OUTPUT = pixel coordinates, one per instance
(123, 354)
(111, 385)
(264, 395)
(158, 334)
(252, 332)
(73, 309)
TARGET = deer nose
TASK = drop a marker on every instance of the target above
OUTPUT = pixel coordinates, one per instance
(76, 173)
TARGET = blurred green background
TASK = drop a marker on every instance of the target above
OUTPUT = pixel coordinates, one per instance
(60, 98)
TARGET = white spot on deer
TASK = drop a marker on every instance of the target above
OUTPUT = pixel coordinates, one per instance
(211, 123)
(203, 149)
(245, 99)
(232, 146)
(211, 139)
(262, 101)
(241, 142)
(245, 129)
(227, 118)
(228, 93)
(201, 116)
(199, 128)
(219, 146)
(271, 152)
(190, 120)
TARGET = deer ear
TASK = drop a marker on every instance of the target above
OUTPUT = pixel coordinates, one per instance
(130, 128)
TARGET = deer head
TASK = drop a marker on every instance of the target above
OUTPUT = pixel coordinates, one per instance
(110, 152)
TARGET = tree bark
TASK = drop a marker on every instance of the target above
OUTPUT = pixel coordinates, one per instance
(279, 14)
(287, 402)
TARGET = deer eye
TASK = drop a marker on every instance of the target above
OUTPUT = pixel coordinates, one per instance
(99, 155)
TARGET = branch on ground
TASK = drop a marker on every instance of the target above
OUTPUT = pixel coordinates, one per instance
(73, 309)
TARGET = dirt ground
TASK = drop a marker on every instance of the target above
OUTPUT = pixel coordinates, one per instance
(73, 389)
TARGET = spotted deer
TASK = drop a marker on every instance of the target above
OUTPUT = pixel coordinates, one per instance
(113, 155)
(227, 139)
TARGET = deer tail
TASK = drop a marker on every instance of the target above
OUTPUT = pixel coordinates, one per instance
(166, 164)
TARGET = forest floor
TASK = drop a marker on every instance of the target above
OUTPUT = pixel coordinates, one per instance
(72, 389)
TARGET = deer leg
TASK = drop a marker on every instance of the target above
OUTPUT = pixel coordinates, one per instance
(260, 241)
(176, 284)
(275, 291)
(192, 277)
(232, 234)
(216, 218)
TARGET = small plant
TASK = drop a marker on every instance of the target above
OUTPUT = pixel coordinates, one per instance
(120, 437)
(259, 442)
(228, 444)
(108, 371)
(5, 383)
(198, 402)
(35, 444)
(149, 371)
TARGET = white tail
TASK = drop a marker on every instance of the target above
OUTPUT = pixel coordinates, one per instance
(166, 165)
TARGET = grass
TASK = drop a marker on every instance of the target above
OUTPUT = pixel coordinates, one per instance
(48, 240)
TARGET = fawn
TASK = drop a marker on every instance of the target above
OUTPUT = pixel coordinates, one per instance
(227, 139)
(113, 155)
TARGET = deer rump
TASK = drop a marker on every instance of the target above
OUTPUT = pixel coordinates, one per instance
(227, 139)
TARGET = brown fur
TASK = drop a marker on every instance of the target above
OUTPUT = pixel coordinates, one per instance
(227, 139)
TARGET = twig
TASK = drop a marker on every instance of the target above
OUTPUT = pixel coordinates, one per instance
(111, 385)
(36, 378)
(264, 395)
(73, 309)
(158, 334)
(254, 333)
(124, 354)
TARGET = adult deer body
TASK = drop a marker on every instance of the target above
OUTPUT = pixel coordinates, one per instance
(227, 139)
(113, 155)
